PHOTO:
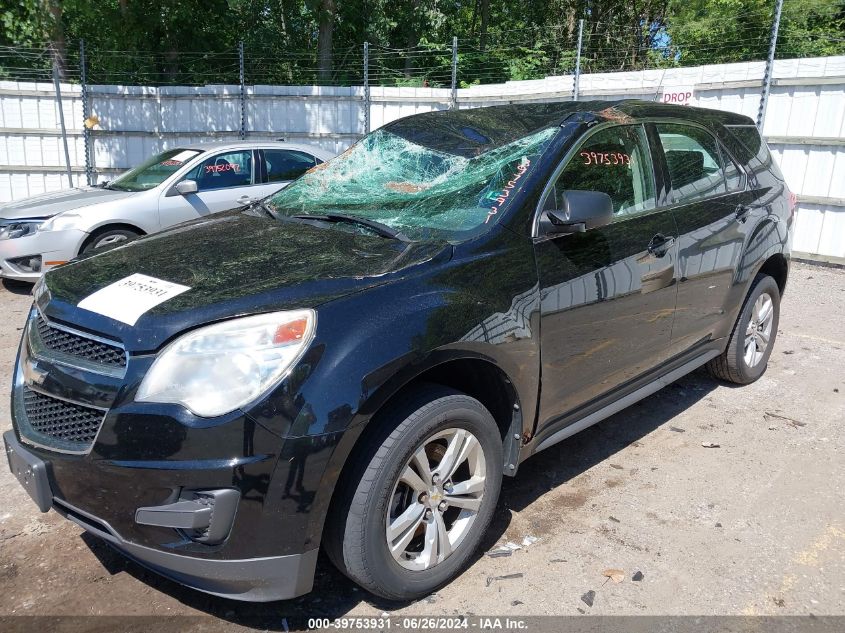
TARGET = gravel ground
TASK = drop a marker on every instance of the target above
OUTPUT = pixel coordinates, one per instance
(753, 527)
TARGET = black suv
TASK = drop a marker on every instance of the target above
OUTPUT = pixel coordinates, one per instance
(356, 361)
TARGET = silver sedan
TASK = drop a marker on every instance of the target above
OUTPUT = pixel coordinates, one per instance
(175, 186)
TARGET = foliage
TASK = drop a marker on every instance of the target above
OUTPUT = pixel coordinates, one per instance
(714, 31)
(23, 23)
(195, 41)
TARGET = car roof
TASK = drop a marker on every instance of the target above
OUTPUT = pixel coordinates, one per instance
(474, 131)
(214, 146)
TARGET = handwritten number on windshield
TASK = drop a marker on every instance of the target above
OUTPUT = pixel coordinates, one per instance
(506, 192)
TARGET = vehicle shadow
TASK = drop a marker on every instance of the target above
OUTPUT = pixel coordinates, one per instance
(334, 595)
(18, 287)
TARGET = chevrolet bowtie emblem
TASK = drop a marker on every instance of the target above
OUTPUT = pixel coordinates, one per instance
(35, 375)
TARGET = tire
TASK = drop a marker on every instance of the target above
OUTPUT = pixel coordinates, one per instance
(106, 238)
(733, 365)
(425, 423)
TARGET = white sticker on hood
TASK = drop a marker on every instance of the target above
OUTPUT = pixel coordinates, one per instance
(126, 300)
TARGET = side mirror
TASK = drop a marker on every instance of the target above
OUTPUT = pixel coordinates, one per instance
(186, 186)
(579, 212)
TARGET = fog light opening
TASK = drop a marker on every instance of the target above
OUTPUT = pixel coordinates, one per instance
(204, 516)
(27, 264)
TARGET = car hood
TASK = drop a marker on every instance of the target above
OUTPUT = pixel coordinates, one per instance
(49, 204)
(234, 265)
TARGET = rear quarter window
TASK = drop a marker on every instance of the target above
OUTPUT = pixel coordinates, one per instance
(734, 178)
(745, 142)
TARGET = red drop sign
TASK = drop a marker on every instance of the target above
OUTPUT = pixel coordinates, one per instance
(677, 96)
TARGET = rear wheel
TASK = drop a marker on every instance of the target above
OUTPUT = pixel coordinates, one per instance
(412, 516)
(753, 337)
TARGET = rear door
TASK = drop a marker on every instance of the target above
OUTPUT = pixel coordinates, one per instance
(608, 294)
(279, 166)
(710, 209)
(225, 180)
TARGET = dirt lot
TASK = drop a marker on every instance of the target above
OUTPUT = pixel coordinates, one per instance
(756, 526)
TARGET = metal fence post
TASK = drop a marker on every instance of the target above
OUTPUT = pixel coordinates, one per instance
(454, 102)
(86, 112)
(366, 87)
(242, 134)
(577, 79)
(58, 90)
(770, 62)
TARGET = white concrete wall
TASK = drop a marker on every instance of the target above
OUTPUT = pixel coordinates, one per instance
(805, 123)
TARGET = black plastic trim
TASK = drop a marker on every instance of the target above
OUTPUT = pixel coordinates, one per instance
(248, 579)
(251, 579)
(569, 426)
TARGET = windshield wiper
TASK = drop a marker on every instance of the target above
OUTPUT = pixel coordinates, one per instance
(376, 227)
(264, 208)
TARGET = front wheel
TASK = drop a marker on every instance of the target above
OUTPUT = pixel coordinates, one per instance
(106, 238)
(410, 520)
(753, 337)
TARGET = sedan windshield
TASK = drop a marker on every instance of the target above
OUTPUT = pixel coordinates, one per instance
(421, 192)
(153, 172)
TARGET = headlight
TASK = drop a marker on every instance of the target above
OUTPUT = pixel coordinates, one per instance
(218, 368)
(13, 228)
(62, 221)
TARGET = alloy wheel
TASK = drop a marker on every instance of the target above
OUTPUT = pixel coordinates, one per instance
(436, 499)
(108, 240)
(759, 330)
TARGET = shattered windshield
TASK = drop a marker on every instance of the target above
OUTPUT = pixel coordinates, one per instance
(421, 192)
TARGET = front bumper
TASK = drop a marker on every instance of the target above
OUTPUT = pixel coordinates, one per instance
(259, 579)
(52, 247)
(116, 467)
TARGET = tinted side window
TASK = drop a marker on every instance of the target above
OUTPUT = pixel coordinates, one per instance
(615, 161)
(284, 165)
(232, 169)
(694, 162)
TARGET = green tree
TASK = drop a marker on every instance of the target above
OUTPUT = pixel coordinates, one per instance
(305, 41)
(720, 31)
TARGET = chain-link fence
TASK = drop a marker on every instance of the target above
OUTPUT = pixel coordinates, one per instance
(573, 48)
(533, 52)
(134, 103)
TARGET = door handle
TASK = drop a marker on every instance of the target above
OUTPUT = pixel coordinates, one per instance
(742, 212)
(660, 244)
(245, 200)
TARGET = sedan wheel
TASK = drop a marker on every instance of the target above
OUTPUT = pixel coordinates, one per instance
(106, 238)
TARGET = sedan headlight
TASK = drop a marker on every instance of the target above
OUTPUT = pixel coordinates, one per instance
(218, 368)
(18, 228)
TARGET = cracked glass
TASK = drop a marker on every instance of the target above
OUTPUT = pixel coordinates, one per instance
(419, 191)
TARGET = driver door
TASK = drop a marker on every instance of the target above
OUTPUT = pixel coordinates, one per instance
(608, 294)
(224, 181)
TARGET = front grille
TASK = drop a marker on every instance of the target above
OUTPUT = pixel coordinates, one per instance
(59, 340)
(56, 422)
